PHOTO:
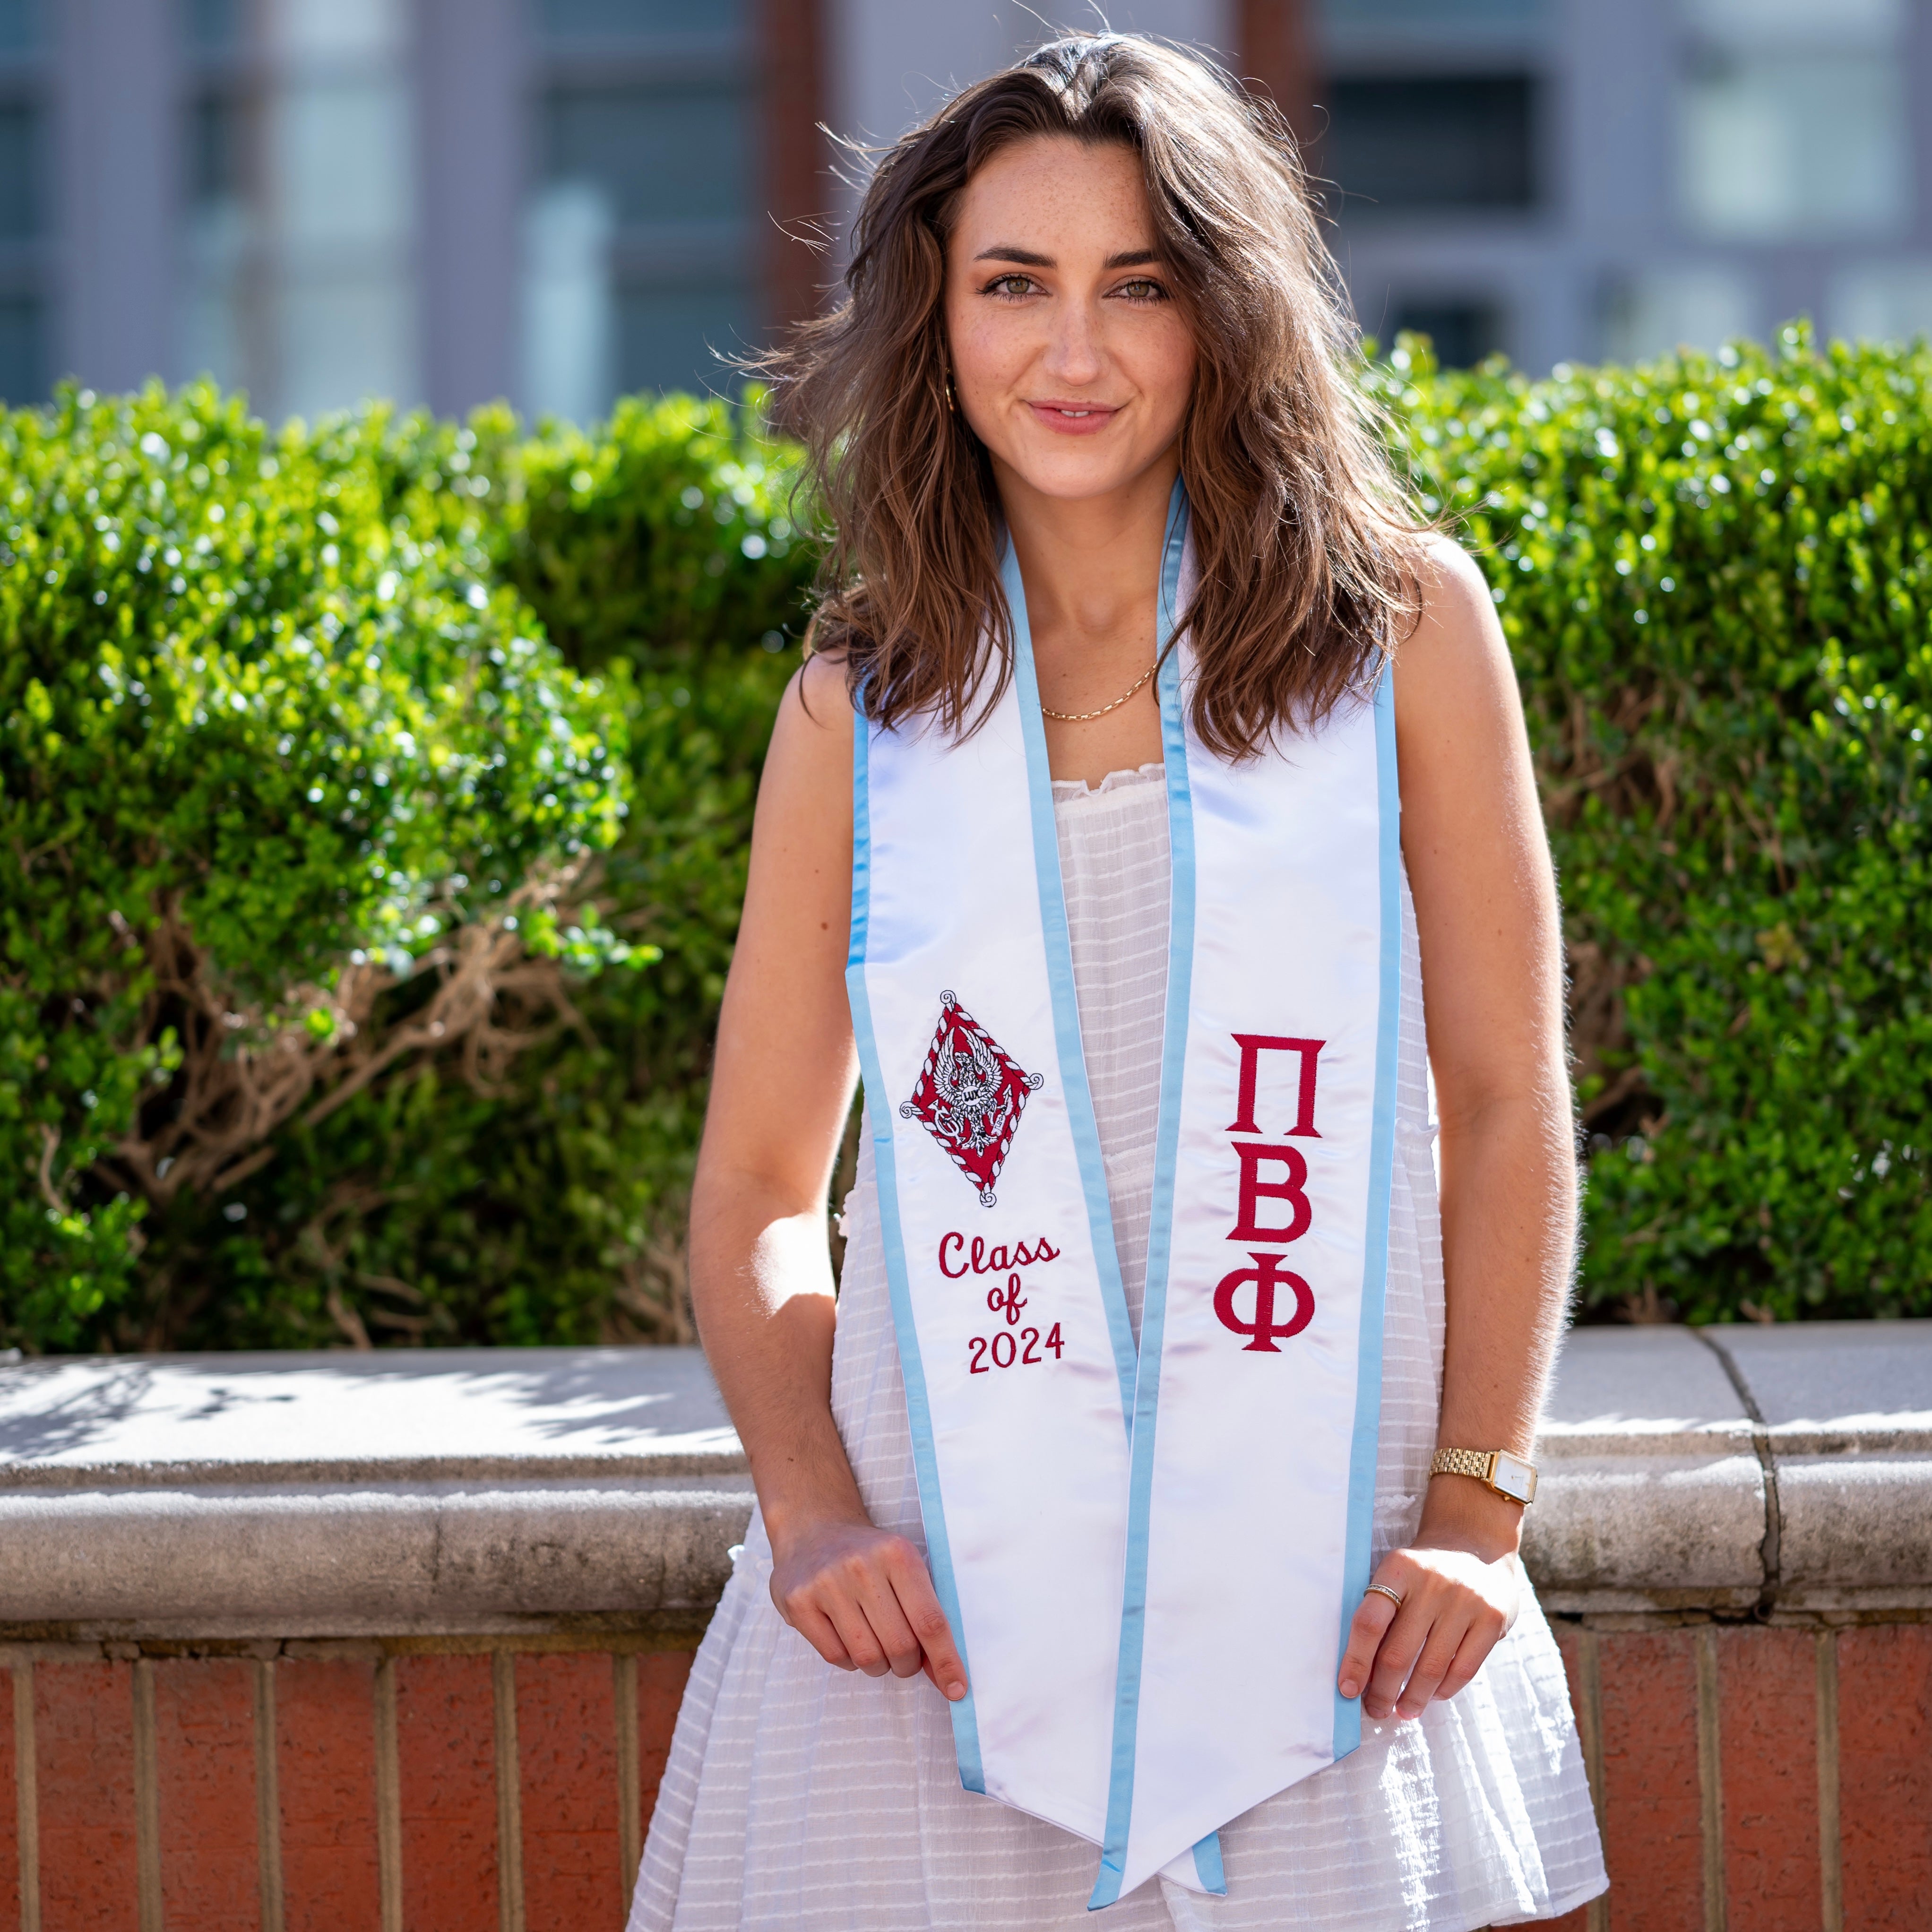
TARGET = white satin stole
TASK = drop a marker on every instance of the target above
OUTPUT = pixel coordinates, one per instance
(1149, 1554)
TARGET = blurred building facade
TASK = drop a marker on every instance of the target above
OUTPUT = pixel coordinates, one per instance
(557, 201)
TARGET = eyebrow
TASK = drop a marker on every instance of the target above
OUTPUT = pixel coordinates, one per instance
(1026, 258)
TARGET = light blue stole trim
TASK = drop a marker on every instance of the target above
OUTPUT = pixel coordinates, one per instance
(1060, 981)
(1160, 1227)
(1364, 1447)
(1207, 1865)
(932, 1509)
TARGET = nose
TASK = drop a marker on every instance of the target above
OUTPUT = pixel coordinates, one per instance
(1075, 356)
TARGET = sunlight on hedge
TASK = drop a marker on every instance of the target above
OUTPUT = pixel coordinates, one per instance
(1715, 577)
(374, 802)
(319, 857)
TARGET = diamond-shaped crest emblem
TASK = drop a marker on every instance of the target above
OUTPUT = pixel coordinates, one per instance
(969, 1096)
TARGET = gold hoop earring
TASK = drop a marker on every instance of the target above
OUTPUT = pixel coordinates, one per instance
(951, 401)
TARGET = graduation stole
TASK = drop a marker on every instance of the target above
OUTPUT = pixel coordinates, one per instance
(1149, 1555)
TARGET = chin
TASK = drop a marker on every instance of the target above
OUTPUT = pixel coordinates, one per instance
(1076, 482)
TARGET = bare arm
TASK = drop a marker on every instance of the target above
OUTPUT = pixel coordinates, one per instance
(1492, 954)
(760, 1274)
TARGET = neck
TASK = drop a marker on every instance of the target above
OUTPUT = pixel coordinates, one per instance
(1091, 566)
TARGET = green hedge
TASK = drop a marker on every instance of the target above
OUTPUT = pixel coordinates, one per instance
(293, 726)
(294, 773)
(1715, 574)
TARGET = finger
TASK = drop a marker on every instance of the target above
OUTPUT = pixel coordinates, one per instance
(919, 1604)
(1471, 1657)
(1373, 1615)
(1395, 1659)
(1437, 1654)
(877, 1598)
(856, 1634)
(816, 1627)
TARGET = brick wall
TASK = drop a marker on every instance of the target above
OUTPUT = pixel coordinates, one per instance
(1755, 1778)
(1749, 1779)
(329, 1787)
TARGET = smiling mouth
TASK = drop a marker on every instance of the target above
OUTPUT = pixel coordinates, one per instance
(1069, 415)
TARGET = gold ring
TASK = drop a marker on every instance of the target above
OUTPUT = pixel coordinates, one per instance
(1383, 1590)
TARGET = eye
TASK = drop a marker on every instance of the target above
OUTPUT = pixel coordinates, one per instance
(1142, 288)
(1011, 288)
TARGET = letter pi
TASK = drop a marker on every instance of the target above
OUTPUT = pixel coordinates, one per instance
(1253, 1045)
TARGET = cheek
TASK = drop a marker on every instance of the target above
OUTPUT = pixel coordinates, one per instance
(1165, 366)
(984, 353)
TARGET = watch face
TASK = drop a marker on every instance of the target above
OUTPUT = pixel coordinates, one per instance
(1514, 1476)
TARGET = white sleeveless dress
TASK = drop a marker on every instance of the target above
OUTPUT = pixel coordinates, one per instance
(798, 1796)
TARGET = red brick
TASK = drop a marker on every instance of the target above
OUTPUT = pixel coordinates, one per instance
(1885, 1775)
(567, 1741)
(1768, 1745)
(446, 1746)
(10, 1808)
(325, 1725)
(204, 1764)
(1653, 1839)
(661, 1677)
(84, 1739)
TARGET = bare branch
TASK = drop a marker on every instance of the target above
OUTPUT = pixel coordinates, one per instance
(50, 1140)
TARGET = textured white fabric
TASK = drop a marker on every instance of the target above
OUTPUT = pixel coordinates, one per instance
(797, 1795)
(1113, 870)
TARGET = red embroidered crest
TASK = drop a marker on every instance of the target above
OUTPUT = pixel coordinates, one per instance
(970, 1094)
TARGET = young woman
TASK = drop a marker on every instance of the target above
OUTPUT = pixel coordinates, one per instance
(1138, 1526)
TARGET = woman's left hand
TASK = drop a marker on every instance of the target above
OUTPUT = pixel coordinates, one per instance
(1455, 1606)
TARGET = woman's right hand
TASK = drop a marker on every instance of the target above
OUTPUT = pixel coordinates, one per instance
(761, 1280)
(862, 1599)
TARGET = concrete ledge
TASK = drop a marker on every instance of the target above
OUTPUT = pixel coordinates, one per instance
(221, 1560)
(414, 1491)
(515, 1491)
(1778, 1471)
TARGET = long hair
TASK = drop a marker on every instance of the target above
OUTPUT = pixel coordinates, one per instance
(1308, 557)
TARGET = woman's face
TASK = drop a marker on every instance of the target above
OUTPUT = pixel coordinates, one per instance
(1070, 356)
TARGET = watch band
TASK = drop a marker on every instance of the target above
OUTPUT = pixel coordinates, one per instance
(1508, 1475)
(1475, 1463)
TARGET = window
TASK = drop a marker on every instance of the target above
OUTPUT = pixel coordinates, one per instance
(211, 328)
(1457, 17)
(301, 193)
(1685, 305)
(1881, 301)
(639, 239)
(1792, 119)
(24, 359)
(20, 27)
(1445, 142)
(1461, 331)
(21, 193)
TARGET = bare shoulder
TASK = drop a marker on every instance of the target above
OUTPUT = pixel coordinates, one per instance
(1457, 629)
(811, 738)
(1455, 660)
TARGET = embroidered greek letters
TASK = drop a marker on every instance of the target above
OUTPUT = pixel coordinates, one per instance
(1267, 1277)
(1254, 1190)
(1253, 1045)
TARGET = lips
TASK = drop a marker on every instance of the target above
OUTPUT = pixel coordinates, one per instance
(1073, 418)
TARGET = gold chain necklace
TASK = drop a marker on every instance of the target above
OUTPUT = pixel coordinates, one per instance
(1082, 717)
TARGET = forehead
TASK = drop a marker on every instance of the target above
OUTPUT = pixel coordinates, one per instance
(1058, 197)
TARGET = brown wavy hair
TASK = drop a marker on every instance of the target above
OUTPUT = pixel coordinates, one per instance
(1309, 557)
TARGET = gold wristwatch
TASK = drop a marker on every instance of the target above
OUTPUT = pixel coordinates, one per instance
(1508, 1475)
